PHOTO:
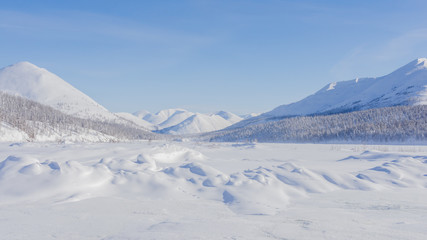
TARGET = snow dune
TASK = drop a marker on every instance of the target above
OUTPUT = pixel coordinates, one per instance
(244, 180)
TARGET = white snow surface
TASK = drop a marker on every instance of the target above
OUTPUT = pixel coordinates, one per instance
(38, 84)
(405, 86)
(170, 190)
(181, 121)
(9, 133)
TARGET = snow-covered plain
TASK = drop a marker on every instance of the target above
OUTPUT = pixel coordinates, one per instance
(187, 190)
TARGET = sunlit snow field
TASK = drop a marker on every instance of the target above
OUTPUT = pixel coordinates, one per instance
(174, 190)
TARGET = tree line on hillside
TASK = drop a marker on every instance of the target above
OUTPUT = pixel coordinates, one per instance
(36, 119)
(391, 124)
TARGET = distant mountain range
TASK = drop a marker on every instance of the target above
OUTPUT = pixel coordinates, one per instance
(26, 80)
(37, 105)
(181, 121)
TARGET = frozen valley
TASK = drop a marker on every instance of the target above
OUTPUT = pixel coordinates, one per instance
(173, 190)
(71, 169)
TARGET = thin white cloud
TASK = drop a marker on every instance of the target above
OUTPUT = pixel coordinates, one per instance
(375, 59)
(85, 25)
(403, 45)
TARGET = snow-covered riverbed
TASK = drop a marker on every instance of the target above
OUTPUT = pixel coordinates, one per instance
(172, 190)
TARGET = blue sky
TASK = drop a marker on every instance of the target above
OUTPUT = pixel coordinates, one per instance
(237, 55)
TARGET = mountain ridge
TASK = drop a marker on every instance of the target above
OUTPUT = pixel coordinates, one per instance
(180, 121)
(406, 86)
(38, 84)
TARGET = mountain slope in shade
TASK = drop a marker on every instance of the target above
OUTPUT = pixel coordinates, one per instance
(198, 123)
(136, 120)
(407, 86)
(231, 117)
(161, 116)
(176, 118)
(249, 115)
(38, 84)
(141, 114)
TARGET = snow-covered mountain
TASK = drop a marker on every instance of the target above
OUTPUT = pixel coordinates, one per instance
(38, 84)
(249, 115)
(175, 116)
(136, 120)
(231, 117)
(399, 124)
(198, 123)
(181, 121)
(22, 119)
(406, 86)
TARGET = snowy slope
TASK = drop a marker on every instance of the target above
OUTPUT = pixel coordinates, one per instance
(176, 118)
(11, 134)
(22, 119)
(38, 84)
(231, 117)
(161, 116)
(141, 114)
(405, 86)
(136, 120)
(198, 123)
(250, 115)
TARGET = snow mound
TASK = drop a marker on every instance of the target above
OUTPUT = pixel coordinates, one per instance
(176, 172)
(25, 178)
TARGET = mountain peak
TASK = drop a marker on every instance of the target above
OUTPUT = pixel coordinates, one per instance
(422, 60)
(24, 64)
(414, 66)
(40, 85)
